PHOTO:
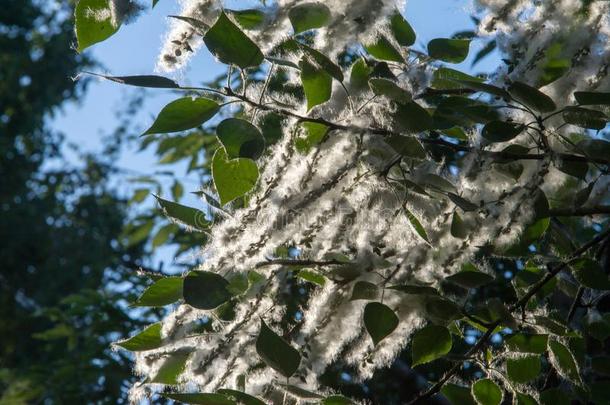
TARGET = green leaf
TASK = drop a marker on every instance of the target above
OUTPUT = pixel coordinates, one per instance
(182, 114)
(240, 138)
(590, 273)
(417, 226)
(458, 228)
(555, 396)
(446, 78)
(402, 30)
(414, 289)
(412, 118)
(230, 45)
(183, 214)
(383, 49)
(389, 89)
(322, 60)
(201, 399)
(304, 17)
(379, 321)
(595, 148)
(457, 395)
(232, 178)
(171, 369)
(148, 339)
(523, 369)
(93, 22)
(163, 292)
(205, 290)
(463, 203)
(238, 284)
(139, 195)
(241, 397)
(150, 81)
(441, 310)
(449, 50)
(470, 279)
(501, 131)
(585, 118)
(527, 343)
(249, 19)
(359, 75)
(592, 98)
(563, 361)
(430, 343)
(276, 352)
(163, 234)
(312, 277)
(317, 83)
(310, 135)
(532, 97)
(363, 290)
(407, 146)
(486, 392)
(484, 87)
(524, 399)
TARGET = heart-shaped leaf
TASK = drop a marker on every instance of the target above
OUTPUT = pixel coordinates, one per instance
(205, 290)
(233, 178)
(487, 392)
(240, 138)
(317, 83)
(430, 343)
(523, 369)
(379, 321)
(230, 45)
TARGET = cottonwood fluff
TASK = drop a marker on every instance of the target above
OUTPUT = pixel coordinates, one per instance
(333, 200)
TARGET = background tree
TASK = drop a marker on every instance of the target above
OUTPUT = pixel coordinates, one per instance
(60, 227)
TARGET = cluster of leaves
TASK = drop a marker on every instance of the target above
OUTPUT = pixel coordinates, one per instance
(538, 350)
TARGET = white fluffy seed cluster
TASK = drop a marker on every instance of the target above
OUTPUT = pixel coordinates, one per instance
(333, 200)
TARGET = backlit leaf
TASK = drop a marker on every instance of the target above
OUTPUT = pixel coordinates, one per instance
(379, 320)
(230, 45)
(205, 290)
(430, 343)
(276, 352)
(182, 114)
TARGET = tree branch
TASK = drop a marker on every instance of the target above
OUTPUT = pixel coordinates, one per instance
(294, 262)
(500, 155)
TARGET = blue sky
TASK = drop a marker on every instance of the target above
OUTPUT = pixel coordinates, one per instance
(134, 49)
